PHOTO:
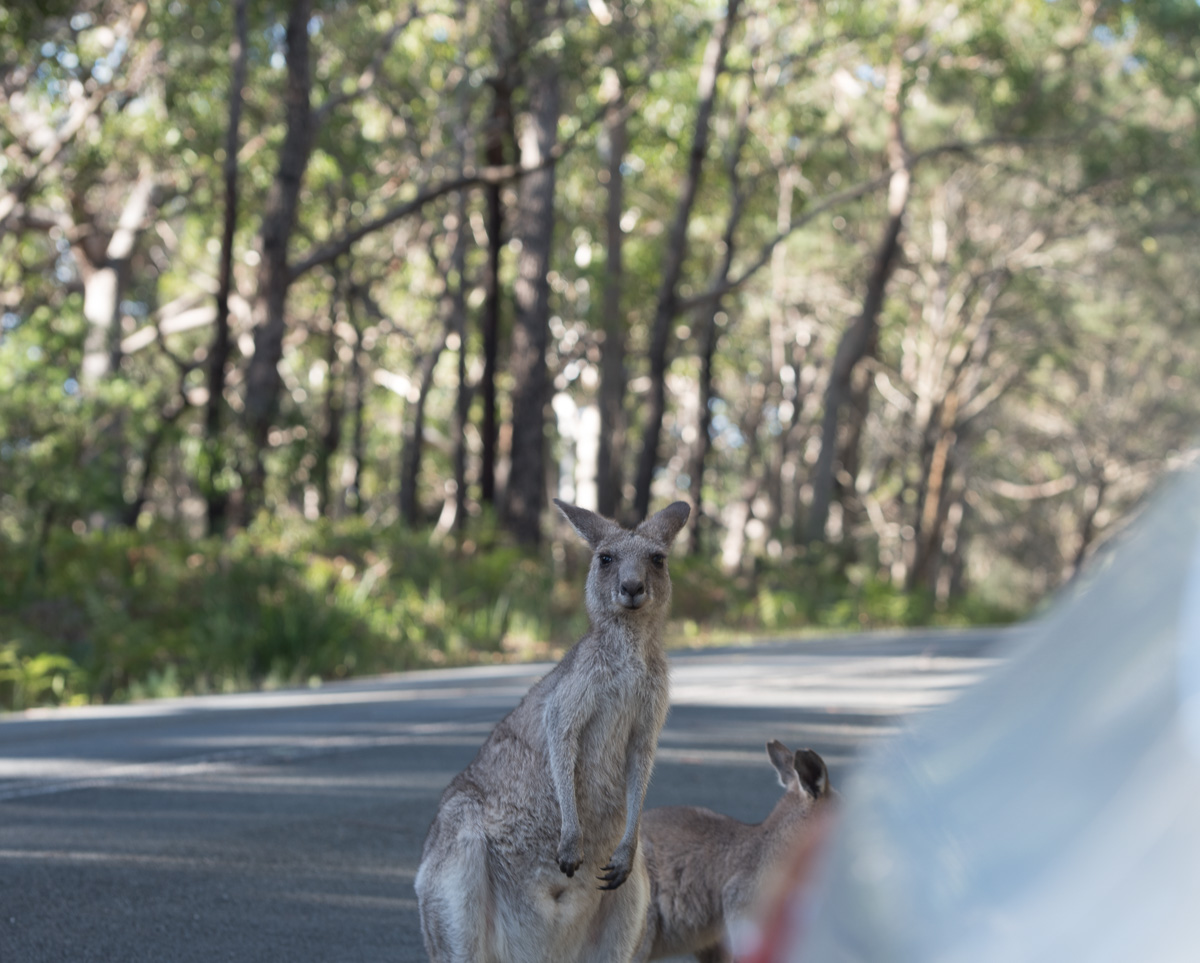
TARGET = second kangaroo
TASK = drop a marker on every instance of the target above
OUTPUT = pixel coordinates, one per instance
(533, 855)
(706, 869)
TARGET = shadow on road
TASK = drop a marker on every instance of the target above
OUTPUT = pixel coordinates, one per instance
(289, 825)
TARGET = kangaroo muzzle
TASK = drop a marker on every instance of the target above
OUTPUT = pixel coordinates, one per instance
(632, 594)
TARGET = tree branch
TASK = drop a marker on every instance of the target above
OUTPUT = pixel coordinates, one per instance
(844, 197)
(470, 178)
(80, 112)
(367, 77)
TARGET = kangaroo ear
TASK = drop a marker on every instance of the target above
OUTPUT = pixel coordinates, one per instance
(592, 528)
(663, 526)
(814, 775)
(782, 759)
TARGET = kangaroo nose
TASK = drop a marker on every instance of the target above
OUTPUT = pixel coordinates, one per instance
(633, 589)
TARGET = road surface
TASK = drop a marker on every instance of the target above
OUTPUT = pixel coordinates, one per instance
(288, 825)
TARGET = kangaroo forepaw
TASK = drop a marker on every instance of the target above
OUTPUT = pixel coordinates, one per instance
(569, 858)
(614, 875)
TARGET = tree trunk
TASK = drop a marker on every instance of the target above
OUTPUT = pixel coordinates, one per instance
(215, 498)
(410, 452)
(279, 220)
(1093, 499)
(167, 418)
(490, 330)
(453, 308)
(458, 299)
(708, 348)
(610, 453)
(331, 433)
(951, 564)
(498, 132)
(859, 339)
(934, 503)
(709, 333)
(534, 228)
(667, 305)
(855, 345)
(353, 495)
(104, 286)
(734, 545)
(462, 408)
(848, 461)
(778, 321)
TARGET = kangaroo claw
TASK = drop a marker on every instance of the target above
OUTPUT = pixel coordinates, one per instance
(613, 877)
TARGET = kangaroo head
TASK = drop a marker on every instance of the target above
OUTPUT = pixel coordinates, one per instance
(628, 577)
(802, 773)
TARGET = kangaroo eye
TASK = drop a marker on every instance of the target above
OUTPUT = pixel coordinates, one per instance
(606, 559)
(658, 558)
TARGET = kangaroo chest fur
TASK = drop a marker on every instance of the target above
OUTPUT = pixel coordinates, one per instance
(511, 773)
(624, 693)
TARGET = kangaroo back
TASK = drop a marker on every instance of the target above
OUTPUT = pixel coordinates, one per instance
(706, 869)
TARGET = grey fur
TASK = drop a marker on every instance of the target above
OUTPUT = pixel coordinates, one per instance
(533, 855)
(706, 869)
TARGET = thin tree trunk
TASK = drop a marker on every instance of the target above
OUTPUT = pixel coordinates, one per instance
(353, 496)
(950, 565)
(133, 510)
(797, 432)
(778, 333)
(462, 408)
(410, 452)
(667, 305)
(215, 498)
(709, 333)
(412, 446)
(490, 325)
(279, 221)
(855, 345)
(934, 504)
(859, 339)
(708, 348)
(943, 415)
(535, 228)
(734, 545)
(498, 133)
(610, 453)
(331, 433)
(1093, 499)
(848, 461)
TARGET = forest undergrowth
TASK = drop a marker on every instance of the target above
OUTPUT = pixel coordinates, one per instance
(119, 615)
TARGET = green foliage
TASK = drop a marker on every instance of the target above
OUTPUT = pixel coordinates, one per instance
(45, 678)
(127, 614)
(810, 595)
(122, 614)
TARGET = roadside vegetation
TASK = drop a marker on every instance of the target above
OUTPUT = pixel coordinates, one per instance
(124, 614)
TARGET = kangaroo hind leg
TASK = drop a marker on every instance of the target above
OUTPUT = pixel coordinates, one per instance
(455, 900)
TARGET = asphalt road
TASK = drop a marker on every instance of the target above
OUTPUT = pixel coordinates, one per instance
(288, 825)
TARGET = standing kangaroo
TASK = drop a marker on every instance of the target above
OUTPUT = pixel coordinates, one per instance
(706, 869)
(553, 800)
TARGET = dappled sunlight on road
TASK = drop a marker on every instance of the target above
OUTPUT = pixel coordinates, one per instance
(180, 826)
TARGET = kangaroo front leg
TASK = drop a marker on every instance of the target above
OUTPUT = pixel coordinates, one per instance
(638, 765)
(563, 725)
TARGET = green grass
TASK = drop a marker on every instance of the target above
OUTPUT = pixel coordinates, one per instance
(120, 615)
